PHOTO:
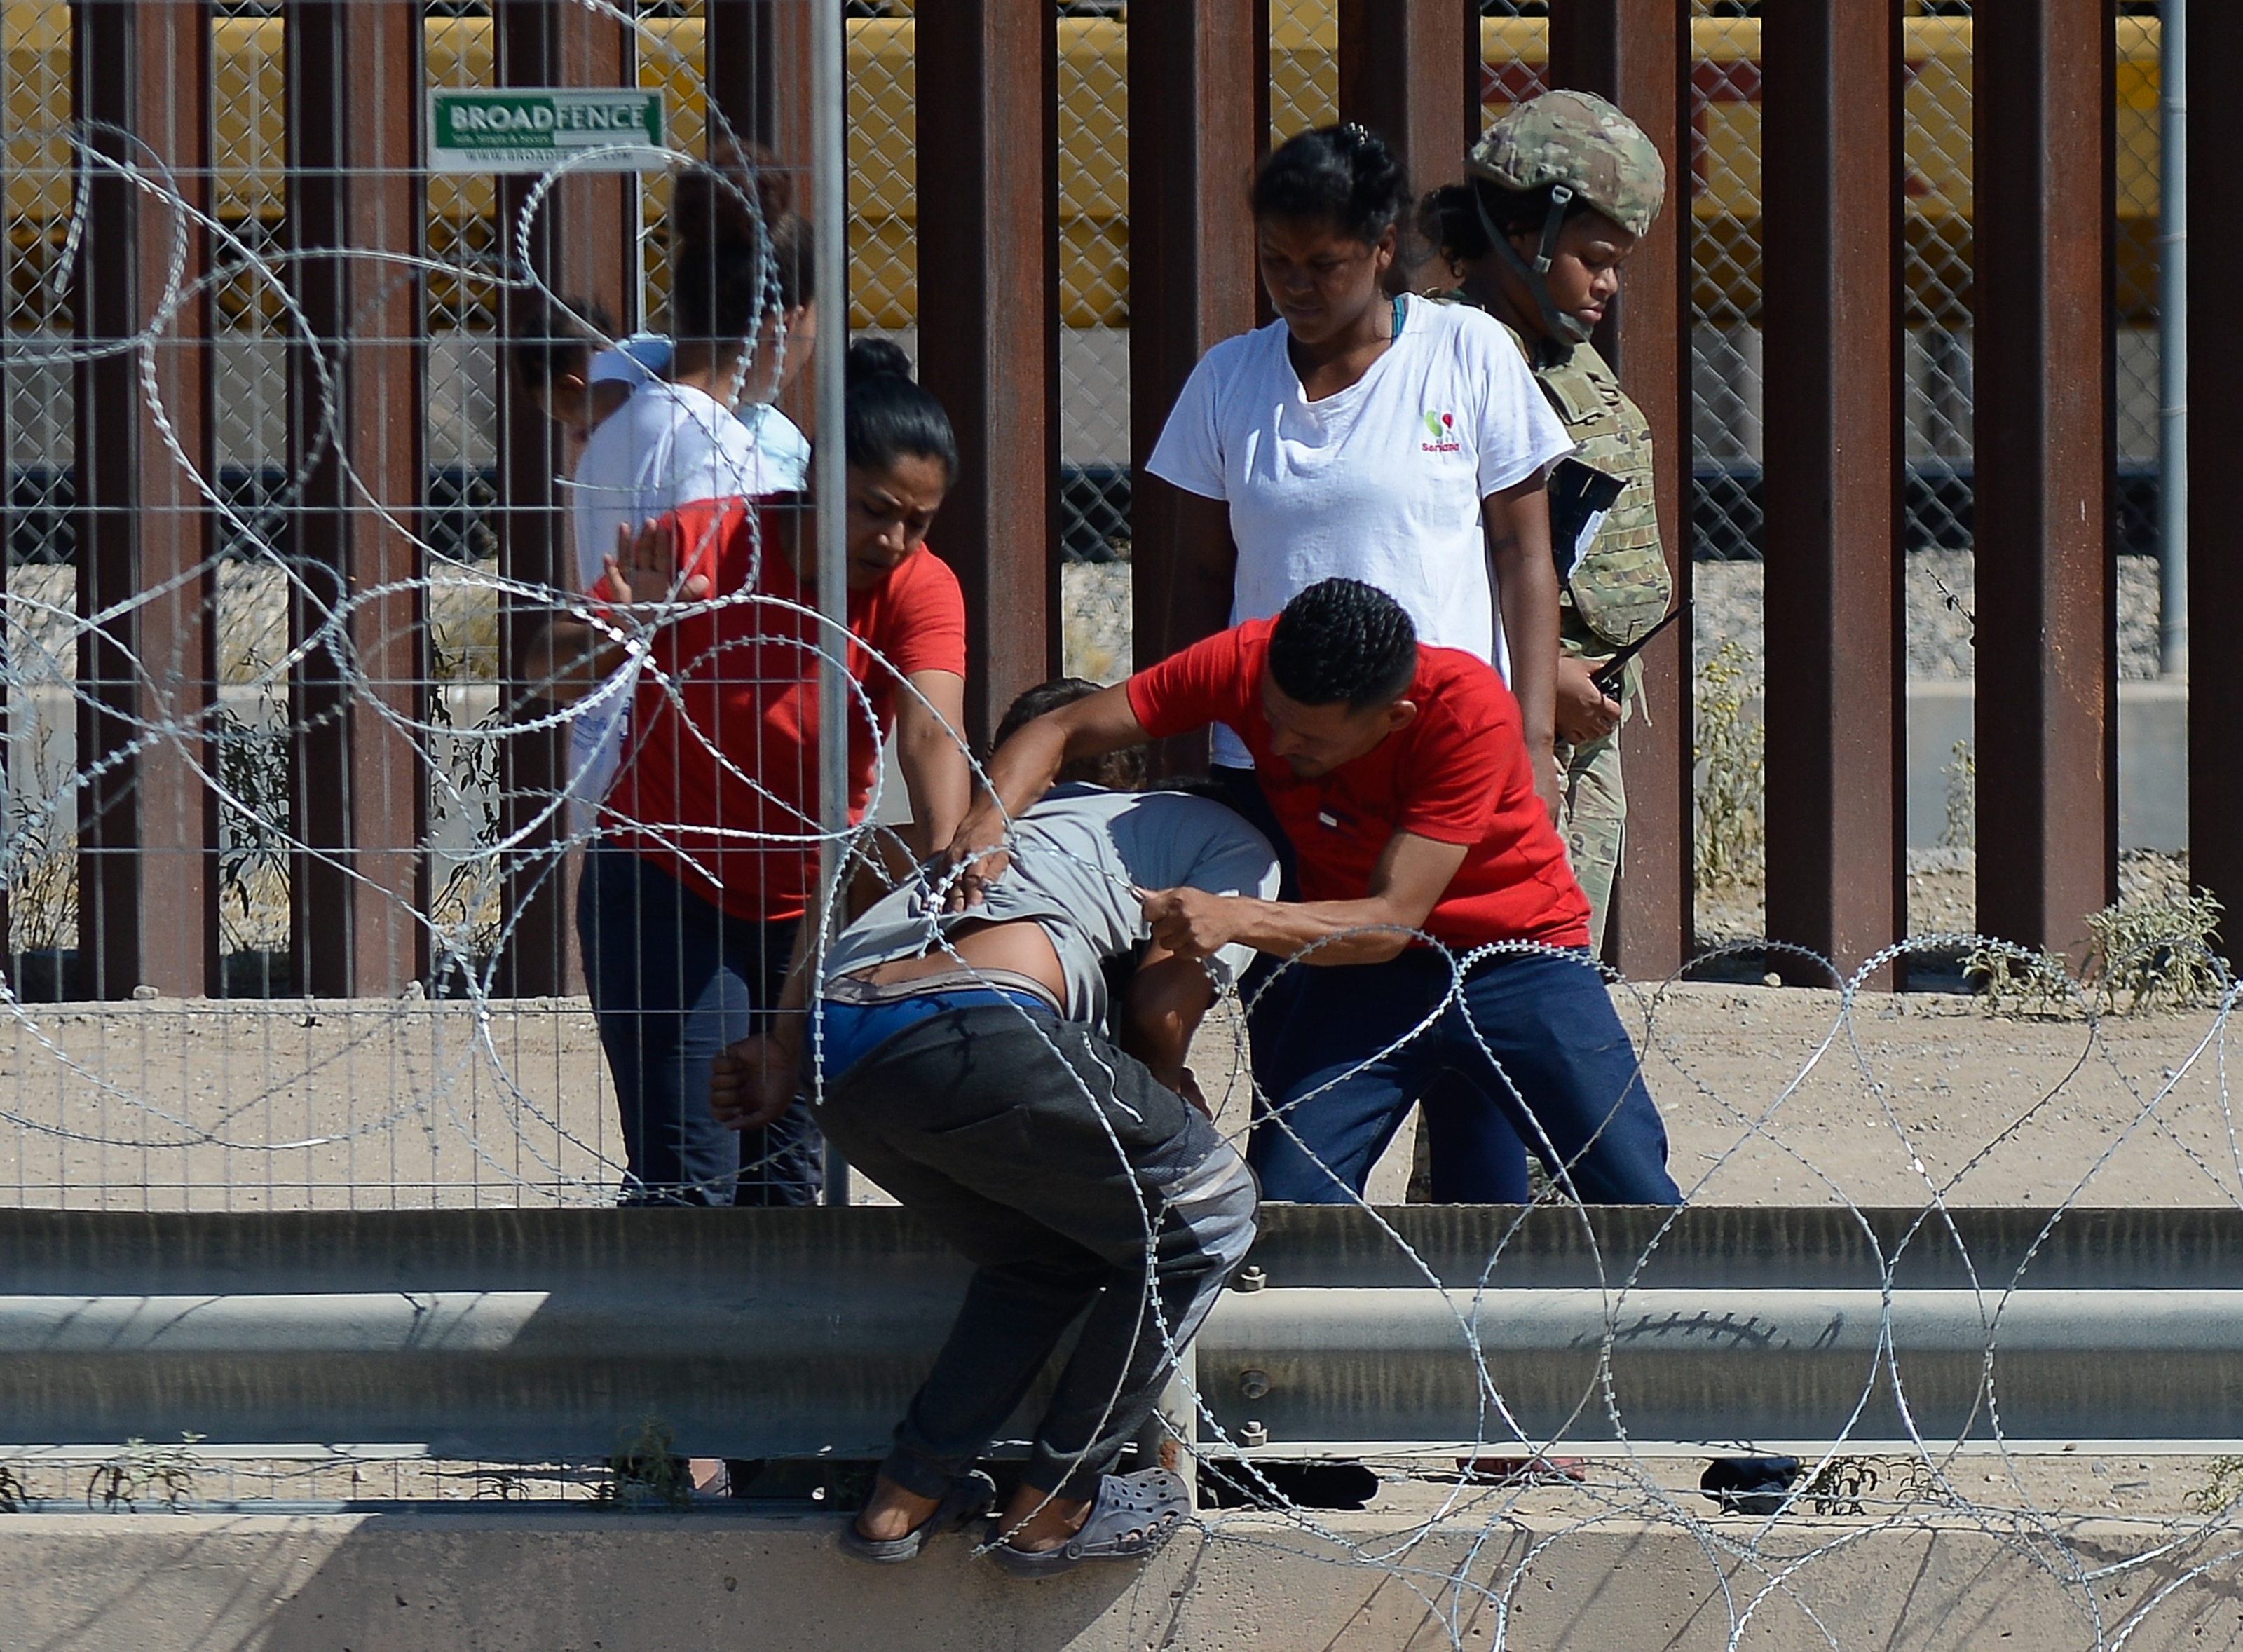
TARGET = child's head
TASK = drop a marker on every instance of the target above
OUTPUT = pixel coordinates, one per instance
(550, 356)
(640, 358)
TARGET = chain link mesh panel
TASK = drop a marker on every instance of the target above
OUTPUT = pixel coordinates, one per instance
(2137, 93)
(38, 402)
(1094, 252)
(883, 167)
(671, 42)
(248, 366)
(1303, 66)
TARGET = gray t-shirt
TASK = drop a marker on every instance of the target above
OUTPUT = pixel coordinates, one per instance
(1078, 858)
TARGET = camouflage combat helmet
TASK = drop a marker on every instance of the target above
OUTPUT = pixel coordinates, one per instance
(1579, 147)
(1578, 140)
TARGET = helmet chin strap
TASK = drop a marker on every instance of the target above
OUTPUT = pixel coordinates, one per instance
(1559, 324)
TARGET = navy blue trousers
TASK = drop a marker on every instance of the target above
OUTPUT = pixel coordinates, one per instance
(674, 980)
(1557, 1071)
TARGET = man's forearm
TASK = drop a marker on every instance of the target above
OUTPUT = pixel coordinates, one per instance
(1020, 773)
(1343, 932)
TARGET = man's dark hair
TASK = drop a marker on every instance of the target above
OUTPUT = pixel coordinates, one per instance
(1451, 223)
(733, 231)
(1341, 640)
(1122, 771)
(554, 338)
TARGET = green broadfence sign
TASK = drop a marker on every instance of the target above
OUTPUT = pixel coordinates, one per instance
(529, 129)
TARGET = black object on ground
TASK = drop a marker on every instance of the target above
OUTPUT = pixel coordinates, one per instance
(1749, 1484)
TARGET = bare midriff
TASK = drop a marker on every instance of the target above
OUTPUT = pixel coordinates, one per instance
(1019, 945)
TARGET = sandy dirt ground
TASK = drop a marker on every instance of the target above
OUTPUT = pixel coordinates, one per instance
(1771, 1096)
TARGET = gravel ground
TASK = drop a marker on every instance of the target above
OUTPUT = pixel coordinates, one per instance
(1942, 597)
(1094, 625)
(1942, 893)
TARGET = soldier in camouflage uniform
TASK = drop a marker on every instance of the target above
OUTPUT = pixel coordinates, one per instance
(1561, 189)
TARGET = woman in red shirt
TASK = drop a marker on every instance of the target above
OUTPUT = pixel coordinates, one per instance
(692, 898)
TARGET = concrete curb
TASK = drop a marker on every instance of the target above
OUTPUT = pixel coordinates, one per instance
(596, 1581)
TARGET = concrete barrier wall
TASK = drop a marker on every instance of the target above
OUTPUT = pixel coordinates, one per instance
(2153, 759)
(496, 1581)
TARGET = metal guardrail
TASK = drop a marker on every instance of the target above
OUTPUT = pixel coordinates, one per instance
(507, 1334)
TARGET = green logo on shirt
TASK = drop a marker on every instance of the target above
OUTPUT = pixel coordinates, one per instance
(1442, 427)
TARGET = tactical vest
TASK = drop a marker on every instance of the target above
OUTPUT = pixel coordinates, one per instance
(1620, 588)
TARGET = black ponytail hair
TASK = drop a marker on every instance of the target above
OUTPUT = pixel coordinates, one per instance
(888, 415)
(1344, 175)
(727, 217)
(1450, 221)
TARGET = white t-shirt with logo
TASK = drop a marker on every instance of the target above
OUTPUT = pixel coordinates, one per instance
(1381, 482)
(670, 445)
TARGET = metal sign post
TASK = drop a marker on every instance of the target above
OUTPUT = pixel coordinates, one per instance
(2172, 343)
(829, 481)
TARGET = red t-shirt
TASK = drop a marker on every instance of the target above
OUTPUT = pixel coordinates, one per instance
(1457, 773)
(719, 781)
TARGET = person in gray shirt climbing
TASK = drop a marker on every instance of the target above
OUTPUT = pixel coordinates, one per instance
(977, 1064)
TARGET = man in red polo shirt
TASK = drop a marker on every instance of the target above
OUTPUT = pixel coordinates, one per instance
(1400, 775)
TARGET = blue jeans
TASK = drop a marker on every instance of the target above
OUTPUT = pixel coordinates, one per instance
(1564, 1077)
(674, 981)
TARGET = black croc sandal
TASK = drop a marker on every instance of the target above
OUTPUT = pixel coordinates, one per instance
(970, 1496)
(1133, 1515)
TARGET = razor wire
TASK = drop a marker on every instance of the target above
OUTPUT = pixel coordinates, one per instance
(462, 1078)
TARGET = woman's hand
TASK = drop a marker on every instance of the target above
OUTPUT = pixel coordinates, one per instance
(974, 875)
(1585, 712)
(753, 1083)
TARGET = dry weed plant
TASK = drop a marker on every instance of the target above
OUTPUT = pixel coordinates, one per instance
(1730, 844)
(2147, 953)
(1960, 829)
(2222, 1488)
(141, 1472)
(647, 1468)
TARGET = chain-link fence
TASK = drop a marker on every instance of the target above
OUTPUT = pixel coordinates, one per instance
(883, 169)
(38, 402)
(1094, 252)
(2138, 95)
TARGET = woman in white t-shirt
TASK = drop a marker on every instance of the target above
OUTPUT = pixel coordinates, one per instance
(677, 441)
(1388, 439)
